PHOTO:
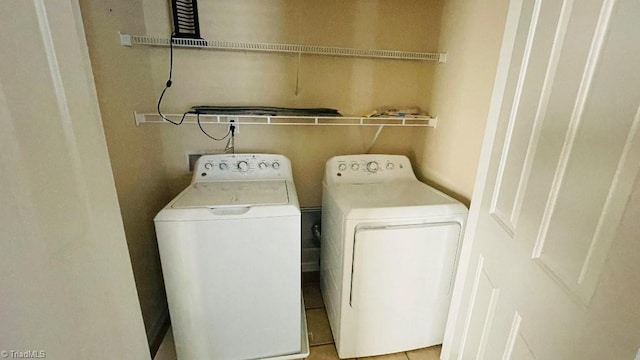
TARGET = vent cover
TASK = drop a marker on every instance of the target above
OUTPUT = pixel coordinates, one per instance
(185, 19)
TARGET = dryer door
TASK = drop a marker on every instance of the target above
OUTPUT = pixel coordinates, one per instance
(402, 266)
(401, 281)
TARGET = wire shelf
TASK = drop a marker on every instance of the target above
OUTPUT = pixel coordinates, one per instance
(154, 118)
(130, 40)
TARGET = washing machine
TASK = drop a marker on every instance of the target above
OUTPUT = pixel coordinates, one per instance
(389, 251)
(230, 252)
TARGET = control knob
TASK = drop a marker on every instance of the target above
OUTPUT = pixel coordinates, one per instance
(275, 165)
(243, 166)
(355, 166)
(342, 167)
(263, 165)
(372, 166)
(208, 166)
(390, 166)
(223, 166)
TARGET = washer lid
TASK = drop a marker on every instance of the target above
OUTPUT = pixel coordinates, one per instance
(233, 193)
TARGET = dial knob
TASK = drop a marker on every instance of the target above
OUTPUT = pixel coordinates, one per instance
(372, 166)
(208, 166)
(223, 166)
(342, 167)
(263, 165)
(275, 165)
(390, 166)
(355, 166)
(243, 166)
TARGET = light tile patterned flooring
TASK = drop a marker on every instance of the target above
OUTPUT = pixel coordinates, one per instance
(320, 338)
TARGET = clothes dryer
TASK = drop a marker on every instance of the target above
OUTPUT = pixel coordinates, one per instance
(230, 252)
(388, 255)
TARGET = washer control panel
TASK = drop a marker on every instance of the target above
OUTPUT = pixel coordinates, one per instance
(367, 168)
(242, 167)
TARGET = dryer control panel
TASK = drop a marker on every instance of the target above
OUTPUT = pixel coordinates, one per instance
(242, 167)
(369, 168)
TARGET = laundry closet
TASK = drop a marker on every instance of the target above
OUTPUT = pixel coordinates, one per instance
(151, 159)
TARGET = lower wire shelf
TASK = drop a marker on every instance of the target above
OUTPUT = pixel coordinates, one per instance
(413, 121)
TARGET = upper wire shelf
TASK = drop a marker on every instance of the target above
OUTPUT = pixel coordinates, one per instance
(130, 40)
(422, 121)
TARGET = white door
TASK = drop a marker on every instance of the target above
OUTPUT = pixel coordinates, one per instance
(552, 253)
(66, 284)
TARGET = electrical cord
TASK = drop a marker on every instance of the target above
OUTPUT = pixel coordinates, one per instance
(231, 143)
(168, 85)
(230, 132)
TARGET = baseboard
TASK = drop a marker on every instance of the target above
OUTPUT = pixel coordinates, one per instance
(157, 331)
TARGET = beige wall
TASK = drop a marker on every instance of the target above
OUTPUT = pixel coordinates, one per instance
(353, 86)
(149, 162)
(471, 34)
(123, 83)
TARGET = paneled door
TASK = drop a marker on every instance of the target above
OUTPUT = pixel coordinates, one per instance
(551, 258)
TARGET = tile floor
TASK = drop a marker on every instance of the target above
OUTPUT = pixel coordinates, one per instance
(320, 338)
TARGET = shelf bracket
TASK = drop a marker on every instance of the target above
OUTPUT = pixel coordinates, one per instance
(125, 39)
